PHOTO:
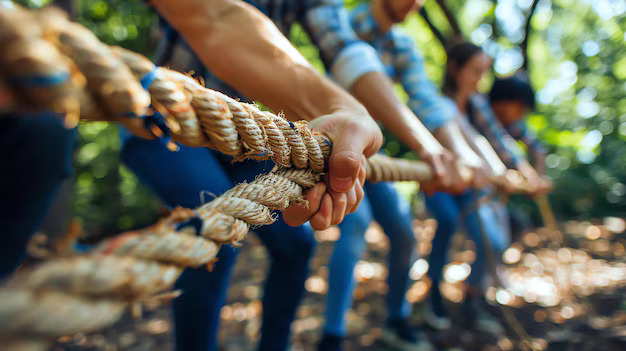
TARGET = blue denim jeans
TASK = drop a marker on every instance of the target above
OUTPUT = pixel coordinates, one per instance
(383, 204)
(446, 209)
(178, 178)
(36, 154)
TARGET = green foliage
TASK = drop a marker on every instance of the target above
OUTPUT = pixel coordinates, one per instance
(107, 196)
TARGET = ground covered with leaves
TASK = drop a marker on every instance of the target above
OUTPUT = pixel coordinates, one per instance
(567, 289)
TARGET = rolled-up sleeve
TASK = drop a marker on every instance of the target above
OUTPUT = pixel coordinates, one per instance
(343, 53)
(424, 98)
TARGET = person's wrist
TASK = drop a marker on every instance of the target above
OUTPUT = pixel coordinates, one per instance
(348, 106)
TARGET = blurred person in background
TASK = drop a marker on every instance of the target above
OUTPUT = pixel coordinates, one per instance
(36, 153)
(403, 63)
(511, 99)
(466, 65)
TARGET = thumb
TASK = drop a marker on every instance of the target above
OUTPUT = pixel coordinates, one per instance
(345, 160)
(343, 168)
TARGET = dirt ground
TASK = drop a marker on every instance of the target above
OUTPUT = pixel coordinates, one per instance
(568, 295)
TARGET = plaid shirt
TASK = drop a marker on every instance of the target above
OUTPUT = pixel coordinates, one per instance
(519, 131)
(325, 21)
(404, 63)
(485, 122)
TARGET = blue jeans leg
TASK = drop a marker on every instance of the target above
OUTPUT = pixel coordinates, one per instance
(197, 310)
(36, 154)
(178, 178)
(496, 236)
(503, 215)
(394, 216)
(445, 209)
(290, 249)
(346, 253)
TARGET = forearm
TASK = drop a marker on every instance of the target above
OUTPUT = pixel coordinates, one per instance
(375, 91)
(481, 146)
(244, 49)
(451, 137)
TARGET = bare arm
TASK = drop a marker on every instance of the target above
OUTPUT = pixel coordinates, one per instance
(375, 91)
(483, 147)
(480, 145)
(246, 50)
(451, 136)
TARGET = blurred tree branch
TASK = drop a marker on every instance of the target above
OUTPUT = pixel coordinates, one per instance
(527, 29)
(454, 24)
(432, 27)
(494, 22)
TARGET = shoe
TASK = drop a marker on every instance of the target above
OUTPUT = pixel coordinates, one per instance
(435, 312)
(435, 321)
(330, 342)
(478, 318)
(399, 335)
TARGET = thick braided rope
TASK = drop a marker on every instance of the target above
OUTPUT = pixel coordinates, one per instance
(381, 168)
(89, 292)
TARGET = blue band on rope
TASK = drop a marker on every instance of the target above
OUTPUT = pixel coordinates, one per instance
(261, 154)
(158, 120)
(41, 80)
(293, 126)
(195, 222)
(329, 143)
(149, 78)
